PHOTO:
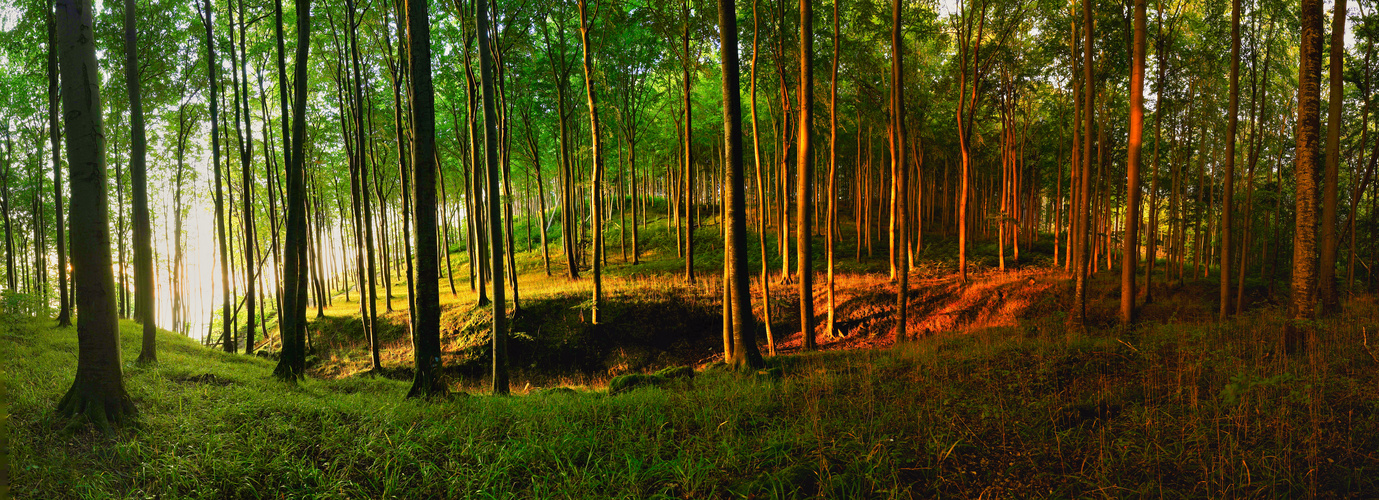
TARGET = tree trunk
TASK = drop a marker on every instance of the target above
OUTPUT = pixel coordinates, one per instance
(11, 276)
(688, 185)
(1083, 241)
(831, 328)
(213, 90)
(902, 260)
(361, 148)
(64, 315)
(1299, 334)
(138, 175)
(1131, 250)
(246, 146)
(1326, 268)
(1228, 186)
(561, 73)
(427, 352)
(804, 176)
(596, 142)
(763, 206)
(744, 353)
(1152, 241)
(98, 393)
(495, 227)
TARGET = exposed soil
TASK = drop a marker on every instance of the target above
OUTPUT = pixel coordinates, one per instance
(651, 326)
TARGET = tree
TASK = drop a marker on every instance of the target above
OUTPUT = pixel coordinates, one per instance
(596, 183)
(1228, 187)
(1130, 253)
(495, 226)
(832, 213)
(213, 89)
(761, 193)
(138, 175)
(98, 393)
(428, 349)
(240, 80)
(292, 363)
(64, 315)
(1308, 156)
(560, 72)
(370, 302)
(969, 50)
(902, 260)
(744, 353)
(1080, 226)
(1326, 268)
(804, 180)
(688, 182)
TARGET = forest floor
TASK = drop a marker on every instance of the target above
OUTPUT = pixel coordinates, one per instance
(998, 398)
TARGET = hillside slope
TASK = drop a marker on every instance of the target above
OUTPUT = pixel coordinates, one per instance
(1021, 411)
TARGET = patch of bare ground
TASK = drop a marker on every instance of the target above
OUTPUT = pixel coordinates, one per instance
(865, 307)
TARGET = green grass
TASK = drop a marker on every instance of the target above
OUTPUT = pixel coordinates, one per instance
(1177, 411)
(1178, 407)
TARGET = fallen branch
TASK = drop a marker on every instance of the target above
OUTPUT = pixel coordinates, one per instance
(1365, 342)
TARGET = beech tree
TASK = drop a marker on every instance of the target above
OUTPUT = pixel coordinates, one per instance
(1131, 251)
(292, 362)
(596, 144)
(804, 176)
(1307, 176)
(744, 353)
(138, 174)
(98, 393)
(500, 320)
(427, 352)
(64, 315)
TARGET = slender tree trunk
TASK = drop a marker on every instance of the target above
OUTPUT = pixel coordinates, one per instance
(361, 153)
(898, 161)
(64, 315)
(1326, 268)
(541, 194)
(500, 362)
(246, 147)
(762, 203)
(122, 233)
(688, 186)
(804, 176)
(1258, 100)
(832, 214)
(1160, 105)
(596, 183)
(208, 23)
(1083, 241)
(138, 174)
(1228, 186)
(1131, 250)
(561, 73)
(292, 363)
(11, 276)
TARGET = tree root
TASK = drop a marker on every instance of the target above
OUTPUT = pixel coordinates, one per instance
(105, 412)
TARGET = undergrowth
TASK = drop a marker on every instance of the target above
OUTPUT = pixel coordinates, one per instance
(1027, 411)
